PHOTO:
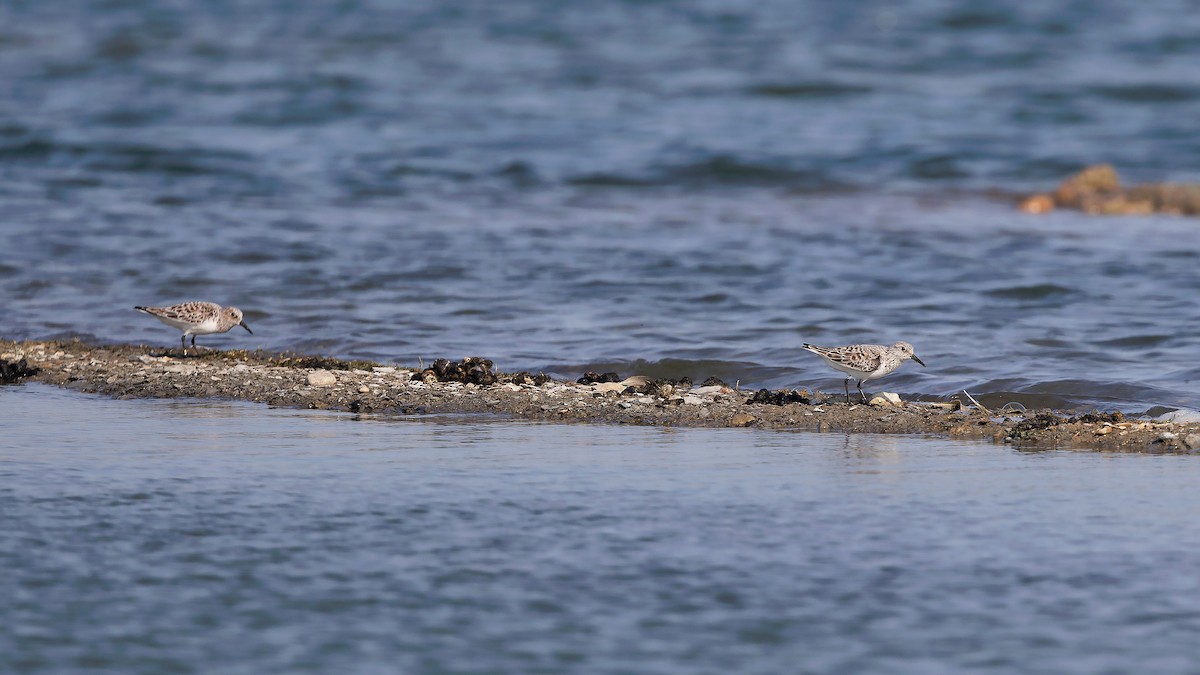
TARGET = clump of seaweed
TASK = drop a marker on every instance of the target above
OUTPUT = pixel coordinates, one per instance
(1098, 418)
(663, 388)
(640, 384)
(10, 372)
(471, 370)
(768, 397)
(1028, 428)
(322, 362)
(475, 370)
(525, 377)
(597, 378)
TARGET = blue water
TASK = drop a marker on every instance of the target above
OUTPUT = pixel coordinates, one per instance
(672, 187)
(157, 536)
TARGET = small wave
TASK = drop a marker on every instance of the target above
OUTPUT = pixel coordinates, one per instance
(520, 173)
(718, 170)
(9, 40)
(936, 167)
(1048, 170)
(30, 148)
(1147, 93)
(132, 117)
(974, 19)
(1135, 341)
(1049, 343)
(134, 158)
(1168, 44)
(1035, 292)
(609, 180)
(726, 169)
(402, 170)
(1094, 392)
(306, 111)
(808, 90)
(997, 400)
(1066, 394)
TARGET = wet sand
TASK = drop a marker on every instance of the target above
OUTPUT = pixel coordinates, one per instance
(295, 381)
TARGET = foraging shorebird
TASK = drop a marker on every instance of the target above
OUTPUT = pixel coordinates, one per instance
(197, 318)
(865, 362)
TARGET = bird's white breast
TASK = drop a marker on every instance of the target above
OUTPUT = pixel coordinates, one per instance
(210, 325)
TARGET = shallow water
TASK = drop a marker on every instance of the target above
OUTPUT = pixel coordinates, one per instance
(677, 187)
(168, 536)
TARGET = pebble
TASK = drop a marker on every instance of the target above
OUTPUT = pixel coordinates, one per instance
(364, 389)
(742, 420)
(321, 378)
(887, 398)
(1192, 441)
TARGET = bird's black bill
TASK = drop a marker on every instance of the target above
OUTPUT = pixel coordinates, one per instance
(243, 325)
(914, 358)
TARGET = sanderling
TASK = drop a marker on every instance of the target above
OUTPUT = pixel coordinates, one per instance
(197, 318)
(865, 362)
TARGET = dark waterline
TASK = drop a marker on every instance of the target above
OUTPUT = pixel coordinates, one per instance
(154, 536)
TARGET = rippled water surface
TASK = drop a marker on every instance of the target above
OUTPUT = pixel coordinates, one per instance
(153, 536)
(677, 187)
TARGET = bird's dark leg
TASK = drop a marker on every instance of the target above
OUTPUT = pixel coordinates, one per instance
(860, 392)
(847, 385)
(183, 344)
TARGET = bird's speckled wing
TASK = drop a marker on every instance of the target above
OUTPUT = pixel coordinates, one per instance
(187, 312)
(864, 358)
